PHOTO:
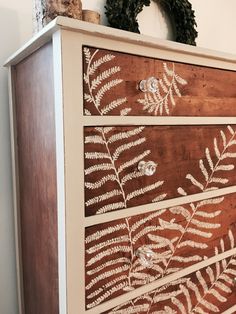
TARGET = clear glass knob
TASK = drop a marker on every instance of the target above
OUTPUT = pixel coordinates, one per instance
(148, 168)
(145, 256)
(149, 85)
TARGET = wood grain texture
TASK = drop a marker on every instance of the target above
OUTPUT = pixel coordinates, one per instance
(35, 126)
(210, 290)
(179, 237)
(190, 159)
(184, 89)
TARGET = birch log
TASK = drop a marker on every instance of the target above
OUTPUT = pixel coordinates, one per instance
(47, 10)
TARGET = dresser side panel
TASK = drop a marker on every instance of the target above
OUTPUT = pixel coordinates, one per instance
(35, 127)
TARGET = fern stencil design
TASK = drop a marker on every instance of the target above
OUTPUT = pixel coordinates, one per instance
(112, 266)
(212, 170)
(203, 292)
(164, 98)
(100, 82)
(109, 168)
(194, 214)
(191, 220)
(210, 287)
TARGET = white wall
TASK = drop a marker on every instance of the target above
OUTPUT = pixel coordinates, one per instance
(15, 28)
(216, 26)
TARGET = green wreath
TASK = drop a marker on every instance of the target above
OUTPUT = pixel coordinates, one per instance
(123, 14)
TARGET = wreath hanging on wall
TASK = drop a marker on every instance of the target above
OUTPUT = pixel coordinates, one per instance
(123, 14)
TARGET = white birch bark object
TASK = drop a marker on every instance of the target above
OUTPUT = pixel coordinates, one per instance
(47, 10)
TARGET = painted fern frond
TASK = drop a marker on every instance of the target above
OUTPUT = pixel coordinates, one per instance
(96, 78)
(100, 183)
(108, 252)
(159, 198)
(97, 168)
(133, 161)
(107, 294)
(171, 225)
(105, 139)
(104, 89)
(87, 54)
(96, 155)
(180, 210)
(112, 105)
(95, 64)
(125, 111)
(95, 139)
(200, 233)
(150, 217)
(163, 99)
(112, 262)
(103, 197)
(110, 207)
(143, 190)
(104, 232)
(164, 242)
(212, 169)
(124, 147)
(192, 244)
(181, 259)
(145, 231)
(125, 135)
(106, 275)
(210, 285)
(102, 245)
(132, 175)
(104, 75)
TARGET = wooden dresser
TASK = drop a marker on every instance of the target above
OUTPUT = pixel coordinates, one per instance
(124, 156)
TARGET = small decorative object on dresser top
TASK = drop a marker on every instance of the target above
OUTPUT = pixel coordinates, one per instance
(91, 16)
(46, 10)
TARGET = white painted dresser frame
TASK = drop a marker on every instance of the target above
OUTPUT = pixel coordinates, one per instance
(70, 122)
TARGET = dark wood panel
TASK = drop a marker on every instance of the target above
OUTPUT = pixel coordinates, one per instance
(190, 159)
(209, 290)
(184, 89)
(35, 125)
(177, 237)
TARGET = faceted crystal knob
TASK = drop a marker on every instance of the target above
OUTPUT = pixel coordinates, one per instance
(147, 168)
(149, 85)
(145, 256)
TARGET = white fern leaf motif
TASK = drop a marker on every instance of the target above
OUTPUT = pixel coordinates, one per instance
(199, 220)
(99, 82)
(163, 99)
(203, 293)
(216, 164)
(111, 145)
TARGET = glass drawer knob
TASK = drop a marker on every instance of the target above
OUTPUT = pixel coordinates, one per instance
(149, 85)
(145, 256)
(148, 168)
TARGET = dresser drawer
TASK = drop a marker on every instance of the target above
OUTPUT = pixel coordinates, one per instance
(182, 160)
(128, 253)
(209, 290)
(111, 86)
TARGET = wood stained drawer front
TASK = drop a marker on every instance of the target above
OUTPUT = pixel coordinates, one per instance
(209, 290)
(188, 160)
(128, 253)
(111, 81)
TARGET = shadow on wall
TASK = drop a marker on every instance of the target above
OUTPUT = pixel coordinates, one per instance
(10, 38)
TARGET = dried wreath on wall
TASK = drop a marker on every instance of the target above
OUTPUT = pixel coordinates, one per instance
(123, 14)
